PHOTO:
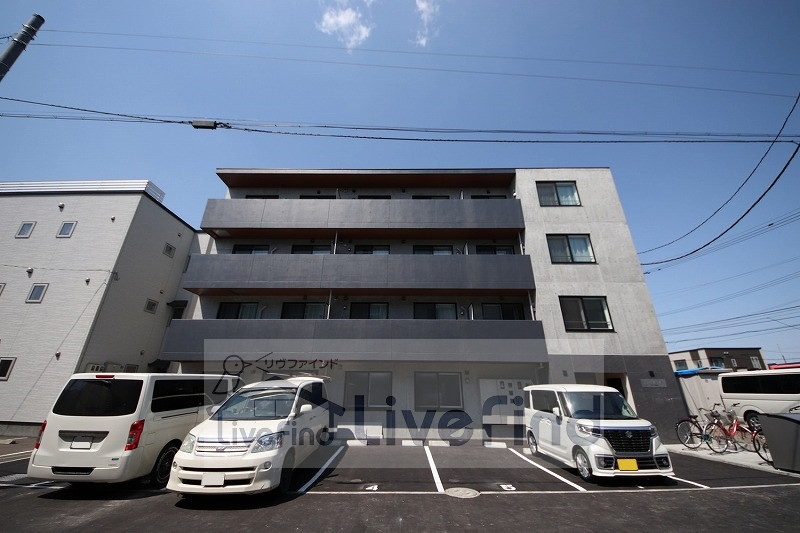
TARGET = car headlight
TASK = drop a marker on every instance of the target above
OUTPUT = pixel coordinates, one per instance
(188, 443)
(653, 431)
(268, 442)
(587, 429)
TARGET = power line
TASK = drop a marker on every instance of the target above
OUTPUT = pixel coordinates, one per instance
(725, 322)
(417, 68)
(740, 334)
(754, 204)
(752, 172)
(428, 53)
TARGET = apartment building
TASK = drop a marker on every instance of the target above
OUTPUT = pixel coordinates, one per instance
(88, 279)
(430, 297)
(730, 358)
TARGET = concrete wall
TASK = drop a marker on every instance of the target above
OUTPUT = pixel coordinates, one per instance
(33, 333)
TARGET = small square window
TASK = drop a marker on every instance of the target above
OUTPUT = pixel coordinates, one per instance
(25, 230)
(6, 364)
(169, 250)
(554, 193)
(66, 229)
(151, 306)
(37, 293)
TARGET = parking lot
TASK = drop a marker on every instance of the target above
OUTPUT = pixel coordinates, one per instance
(391, 488)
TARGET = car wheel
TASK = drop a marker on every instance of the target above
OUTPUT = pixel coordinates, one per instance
(161, 469)
(583, 464)
(752, 420)
(286, 472)
(532, 444)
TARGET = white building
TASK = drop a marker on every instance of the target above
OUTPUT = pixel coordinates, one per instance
(87, 274)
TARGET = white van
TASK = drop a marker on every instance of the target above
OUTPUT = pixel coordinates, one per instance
(254, 440)
(755, 392)
(117, 427)
(592, 428)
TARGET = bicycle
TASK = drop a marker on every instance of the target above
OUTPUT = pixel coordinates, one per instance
(689, 431)
(760, 441)
(719, 438)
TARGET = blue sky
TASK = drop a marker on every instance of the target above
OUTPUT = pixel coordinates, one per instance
(612, 66)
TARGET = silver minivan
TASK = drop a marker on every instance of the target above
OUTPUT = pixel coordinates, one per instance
(117, 427)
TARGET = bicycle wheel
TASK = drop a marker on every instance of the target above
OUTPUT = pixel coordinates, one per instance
(689, 433)
(715, 437)
(743, 438)
(761, 446)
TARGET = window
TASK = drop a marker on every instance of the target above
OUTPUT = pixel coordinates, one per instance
(680, 364)
(585, 313)
(375, 387)
(169, 250)
(487, 196)
(503, 312)
(557, 193)
(494, 249)
(746, 383)
(306, 310)
(427, 249)
(754, 362)
(718, 361)
(99, 397)
(314, 249)
(261, 196)
(430, 196)
(151, 306)
(37, 293)
(437, 390)
(25, 230)
(66, 229)
(372, 249)
(570, 249)
(544, 400)
(251, 248)
(374, 196)
(317, 196)
(6, 364)
(369, 310)
(237, 310)
(434, 311)
(174, 394)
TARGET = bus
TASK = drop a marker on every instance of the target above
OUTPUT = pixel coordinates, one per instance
(749, 394)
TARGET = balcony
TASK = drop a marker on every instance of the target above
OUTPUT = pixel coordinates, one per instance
(487, 341)
(253, 274)
(225, 218)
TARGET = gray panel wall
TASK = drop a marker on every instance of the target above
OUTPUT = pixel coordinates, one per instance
(360, 271)
(350, 214)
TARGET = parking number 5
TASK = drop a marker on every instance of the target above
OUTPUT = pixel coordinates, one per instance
(508, 487)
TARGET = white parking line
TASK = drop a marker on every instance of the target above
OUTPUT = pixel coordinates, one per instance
(691, 482)
(313, 480)
(436, 478)
(23, 458)
(565, 480)
(15, 453)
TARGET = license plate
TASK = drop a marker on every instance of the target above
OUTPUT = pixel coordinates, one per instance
(627, 465)
(81, 443)
(213, 479)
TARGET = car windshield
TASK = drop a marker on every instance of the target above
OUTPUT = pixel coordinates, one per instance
(257, 404)
(599, 406)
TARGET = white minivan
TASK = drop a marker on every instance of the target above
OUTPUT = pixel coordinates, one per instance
(592, 428)
(756, 392)
(254, 440)
(116, 427)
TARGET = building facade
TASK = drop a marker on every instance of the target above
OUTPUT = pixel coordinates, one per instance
(730, 358)
(430, 297)
(88, 272)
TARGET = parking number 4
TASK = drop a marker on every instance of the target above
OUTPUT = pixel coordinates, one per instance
(371, 487)
(508, 487)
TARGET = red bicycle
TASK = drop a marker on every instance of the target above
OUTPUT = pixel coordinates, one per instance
(719, 438)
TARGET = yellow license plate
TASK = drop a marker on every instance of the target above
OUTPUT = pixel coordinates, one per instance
(627, 464)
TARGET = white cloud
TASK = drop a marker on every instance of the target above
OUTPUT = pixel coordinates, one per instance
(428, 11)
(345, 23)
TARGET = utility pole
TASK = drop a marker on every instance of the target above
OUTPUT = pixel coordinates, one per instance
(18, 43)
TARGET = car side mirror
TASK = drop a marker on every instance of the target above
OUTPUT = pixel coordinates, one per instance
(305, 408)
(557, 412)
